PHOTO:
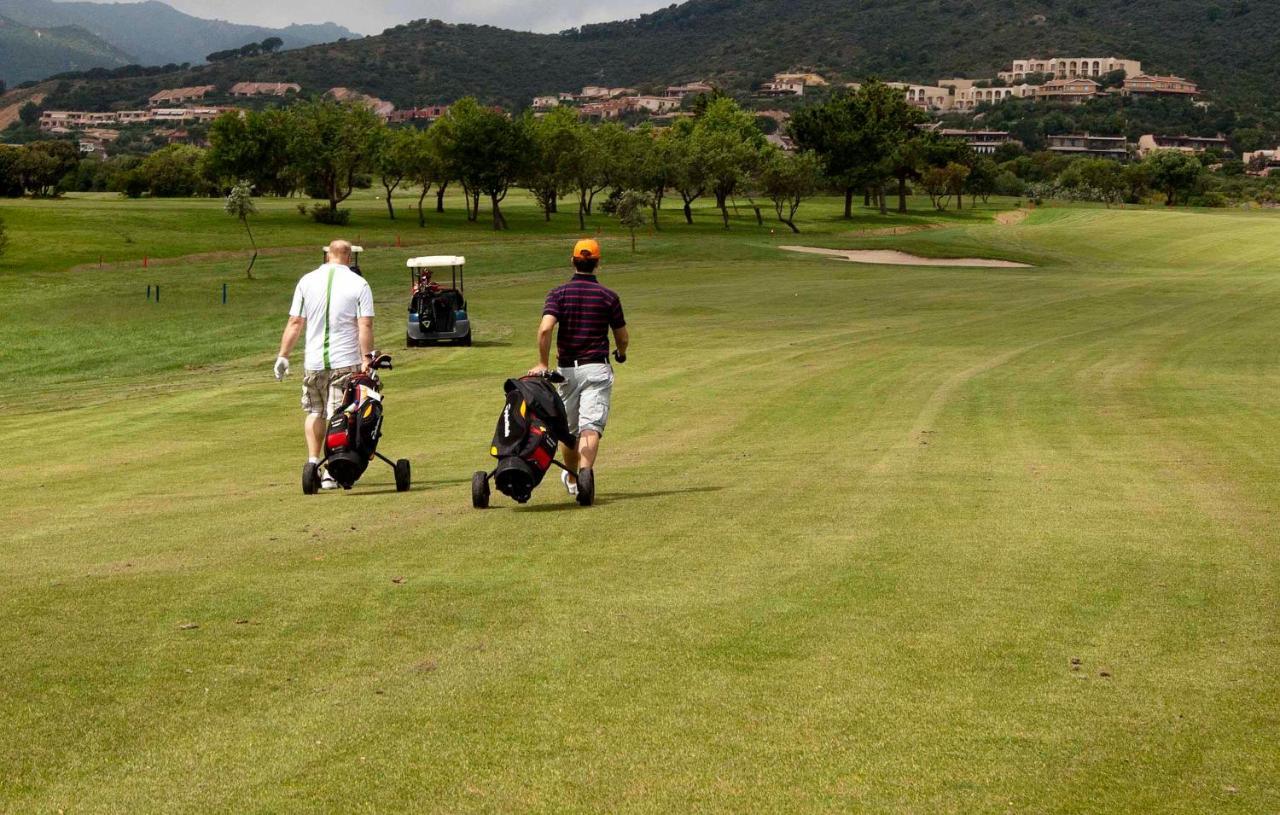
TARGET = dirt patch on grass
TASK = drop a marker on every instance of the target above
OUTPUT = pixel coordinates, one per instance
(893, 257)
(1015, 216)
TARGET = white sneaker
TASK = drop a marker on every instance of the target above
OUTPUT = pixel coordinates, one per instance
(570, 486)
(327, 483)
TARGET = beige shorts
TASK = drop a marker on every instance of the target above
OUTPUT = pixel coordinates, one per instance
(322, 390)
(586, 392)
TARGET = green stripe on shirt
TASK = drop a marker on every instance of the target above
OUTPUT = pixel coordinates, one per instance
(328, 301)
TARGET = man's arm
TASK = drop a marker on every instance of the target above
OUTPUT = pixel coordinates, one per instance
(366, 339)
(545, 328)
(292, 330)
(622, 339)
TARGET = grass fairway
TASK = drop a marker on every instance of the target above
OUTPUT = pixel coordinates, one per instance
(869, 538)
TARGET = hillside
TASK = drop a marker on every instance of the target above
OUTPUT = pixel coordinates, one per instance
(1226, 45)
(32, 53)
(152, 32)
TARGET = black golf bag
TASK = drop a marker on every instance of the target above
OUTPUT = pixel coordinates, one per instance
(532, 424)
(437, 309)
(354, 430)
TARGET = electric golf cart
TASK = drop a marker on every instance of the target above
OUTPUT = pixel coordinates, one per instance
(437, 314)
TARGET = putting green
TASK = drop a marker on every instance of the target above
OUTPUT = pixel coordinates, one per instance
(869, 538)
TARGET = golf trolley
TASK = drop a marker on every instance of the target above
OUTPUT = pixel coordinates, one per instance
(351, 439)
(532, 426)
(355, 258)
(437, 314)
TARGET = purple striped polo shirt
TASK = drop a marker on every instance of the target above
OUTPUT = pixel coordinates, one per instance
(585, 311)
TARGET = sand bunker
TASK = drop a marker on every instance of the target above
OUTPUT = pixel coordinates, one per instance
(892, 257)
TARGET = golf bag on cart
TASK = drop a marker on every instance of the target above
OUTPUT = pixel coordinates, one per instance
(351, 439)
(532, 425)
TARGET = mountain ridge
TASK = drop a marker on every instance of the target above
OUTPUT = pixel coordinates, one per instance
(1223, 44)
(150, 32)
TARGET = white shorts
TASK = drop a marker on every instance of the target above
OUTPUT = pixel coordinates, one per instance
(586, 392)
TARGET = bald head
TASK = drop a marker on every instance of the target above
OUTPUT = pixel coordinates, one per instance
(340, 252)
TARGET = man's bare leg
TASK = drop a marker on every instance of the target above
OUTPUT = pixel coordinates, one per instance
(313, 427)
(584, 456)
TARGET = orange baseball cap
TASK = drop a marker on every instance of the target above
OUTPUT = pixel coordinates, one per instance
(586, 249)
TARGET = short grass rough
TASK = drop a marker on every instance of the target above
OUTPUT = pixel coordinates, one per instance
(869, 538)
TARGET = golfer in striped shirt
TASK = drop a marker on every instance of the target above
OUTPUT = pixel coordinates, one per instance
(585, 311)
(335, 307)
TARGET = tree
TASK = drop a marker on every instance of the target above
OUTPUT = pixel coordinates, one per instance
(240, 205)
(491, 152)
(330, 144)
(584, 170)
(174, 171)
(425, 168)
(1103, 177)
(29, 114)
(270, 45)
(4, 238)
(633, 212)
(1174, 173)
(687, 174)
(1137, 181)
(856, 134)
(43, 164)
(727, 144)
(787, 179)
(394, 157)
(655, 168)
(253, 147)
(957, 176)
(934, 180)
(10, 174)
(982, 177)
(554, 138)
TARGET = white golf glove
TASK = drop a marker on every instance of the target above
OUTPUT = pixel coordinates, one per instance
(282, 368)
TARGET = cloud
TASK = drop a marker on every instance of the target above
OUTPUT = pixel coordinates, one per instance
(373, 16)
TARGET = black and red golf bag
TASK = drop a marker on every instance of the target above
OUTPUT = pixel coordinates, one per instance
(533, 423)
(354, 430)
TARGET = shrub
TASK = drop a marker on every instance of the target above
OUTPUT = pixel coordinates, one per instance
(1009, 184)
(4, 239)
(1209, 199)
(321, 214)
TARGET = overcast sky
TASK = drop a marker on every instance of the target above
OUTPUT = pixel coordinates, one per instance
(372, 16)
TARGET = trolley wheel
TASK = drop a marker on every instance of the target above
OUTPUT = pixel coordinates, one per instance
(402, 475)
(586, 487)
(310, 478)
(480, 490)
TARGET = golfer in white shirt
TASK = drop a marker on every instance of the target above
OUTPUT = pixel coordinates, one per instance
(335, 306)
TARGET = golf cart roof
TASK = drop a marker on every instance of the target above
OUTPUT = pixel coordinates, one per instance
(354, 249)
(436, 262)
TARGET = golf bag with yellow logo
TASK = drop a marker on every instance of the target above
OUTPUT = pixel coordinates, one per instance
(532, 426)
(351, 440)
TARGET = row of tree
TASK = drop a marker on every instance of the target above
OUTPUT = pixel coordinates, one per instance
(325, 149)
(867, 142)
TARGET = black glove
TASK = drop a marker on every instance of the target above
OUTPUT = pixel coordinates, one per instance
(618, 355)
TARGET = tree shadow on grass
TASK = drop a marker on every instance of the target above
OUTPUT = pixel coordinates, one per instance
(614, 497)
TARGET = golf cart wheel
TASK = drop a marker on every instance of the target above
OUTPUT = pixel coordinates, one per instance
(310, 478)
(586, 487)
(409, 342)
(480, 490)
(402, 475)
(465, 341)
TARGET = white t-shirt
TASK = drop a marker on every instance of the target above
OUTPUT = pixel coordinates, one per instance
(331, 299)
